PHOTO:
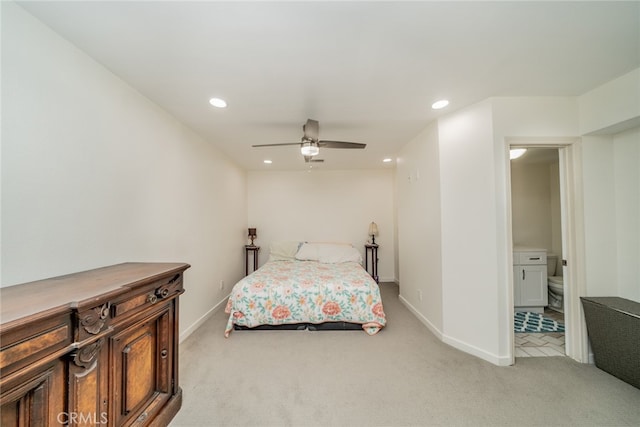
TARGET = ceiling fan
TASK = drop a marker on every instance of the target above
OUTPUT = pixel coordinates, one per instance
(310, 144)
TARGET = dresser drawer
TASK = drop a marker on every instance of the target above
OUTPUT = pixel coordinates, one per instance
(530, 258)
(154, 293)
(33, 342)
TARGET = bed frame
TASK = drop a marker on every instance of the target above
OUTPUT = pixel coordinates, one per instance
(326, 326)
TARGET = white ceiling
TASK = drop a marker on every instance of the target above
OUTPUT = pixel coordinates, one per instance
(367, 71)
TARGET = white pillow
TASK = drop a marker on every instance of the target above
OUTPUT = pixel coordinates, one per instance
(308, 252)
(328, 253)
(336, 254)
(283, 251)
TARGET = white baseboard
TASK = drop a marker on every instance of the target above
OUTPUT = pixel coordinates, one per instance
(453, 342)
(191, 329)
(421, 318)
(478, 352)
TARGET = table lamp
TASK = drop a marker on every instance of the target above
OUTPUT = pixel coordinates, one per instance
(373, 232)
(252, 235)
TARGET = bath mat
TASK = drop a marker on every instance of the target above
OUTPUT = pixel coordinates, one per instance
(525, 321)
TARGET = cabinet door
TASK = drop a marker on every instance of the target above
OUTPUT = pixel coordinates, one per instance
(36, 401)
(141, 361)
(88, 385)
(533, 288)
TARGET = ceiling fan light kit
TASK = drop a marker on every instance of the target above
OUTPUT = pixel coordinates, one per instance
(309, 148)
(310, 145)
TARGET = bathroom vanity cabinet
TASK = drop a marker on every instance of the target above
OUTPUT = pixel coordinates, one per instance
(98, 347)
(530, 280)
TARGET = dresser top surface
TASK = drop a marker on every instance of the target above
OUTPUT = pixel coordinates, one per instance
(78, 289)
(528, 249)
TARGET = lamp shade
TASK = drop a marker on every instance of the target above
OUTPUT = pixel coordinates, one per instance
(373, 229)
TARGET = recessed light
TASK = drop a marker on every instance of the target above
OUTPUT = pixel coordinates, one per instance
(217, 102)
(387, 160)
(514, 153)
(440, 104)
(268, 162)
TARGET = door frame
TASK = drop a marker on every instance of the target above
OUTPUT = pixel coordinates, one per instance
(573, 240)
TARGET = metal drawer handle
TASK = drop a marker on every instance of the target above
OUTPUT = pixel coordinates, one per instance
(163, 293)
(152, 298)
(531, 259)
(164, 353)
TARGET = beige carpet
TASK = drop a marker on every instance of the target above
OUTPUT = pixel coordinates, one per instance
(402, 376)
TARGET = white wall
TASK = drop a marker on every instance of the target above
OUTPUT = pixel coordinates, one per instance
(324, 206)
(469, 251)
(468, 183)
(612, 106)
(476, 233)
(627, 192)
(419, 221)
(611, 163)
(612, 214)
(95, 174)
(599, 221)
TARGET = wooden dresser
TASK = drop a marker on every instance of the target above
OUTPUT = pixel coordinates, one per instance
(96, 348)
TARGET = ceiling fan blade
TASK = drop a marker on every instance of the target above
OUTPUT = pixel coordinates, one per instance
(311, 129)
(341, 144)
(276, 145)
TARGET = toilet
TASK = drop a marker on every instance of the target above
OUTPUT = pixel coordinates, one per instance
(555, 285)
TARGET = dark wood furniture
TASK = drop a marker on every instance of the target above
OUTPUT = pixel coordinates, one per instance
(613, 325)
(371, 248)
(98, 347)
(254, 250)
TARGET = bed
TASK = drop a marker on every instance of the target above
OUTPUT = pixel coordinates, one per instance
(307, 286)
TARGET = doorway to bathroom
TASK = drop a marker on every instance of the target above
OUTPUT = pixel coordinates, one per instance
(571, 229)
(538, 277)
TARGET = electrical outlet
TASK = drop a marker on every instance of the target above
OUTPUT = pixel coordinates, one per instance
(221, 284)
(420, 295)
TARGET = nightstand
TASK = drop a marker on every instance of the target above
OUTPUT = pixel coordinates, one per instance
(254, 250)
(371, 248)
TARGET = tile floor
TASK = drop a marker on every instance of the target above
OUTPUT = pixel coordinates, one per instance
(541, 344)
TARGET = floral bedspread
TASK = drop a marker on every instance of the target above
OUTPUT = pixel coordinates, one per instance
(287, 292)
